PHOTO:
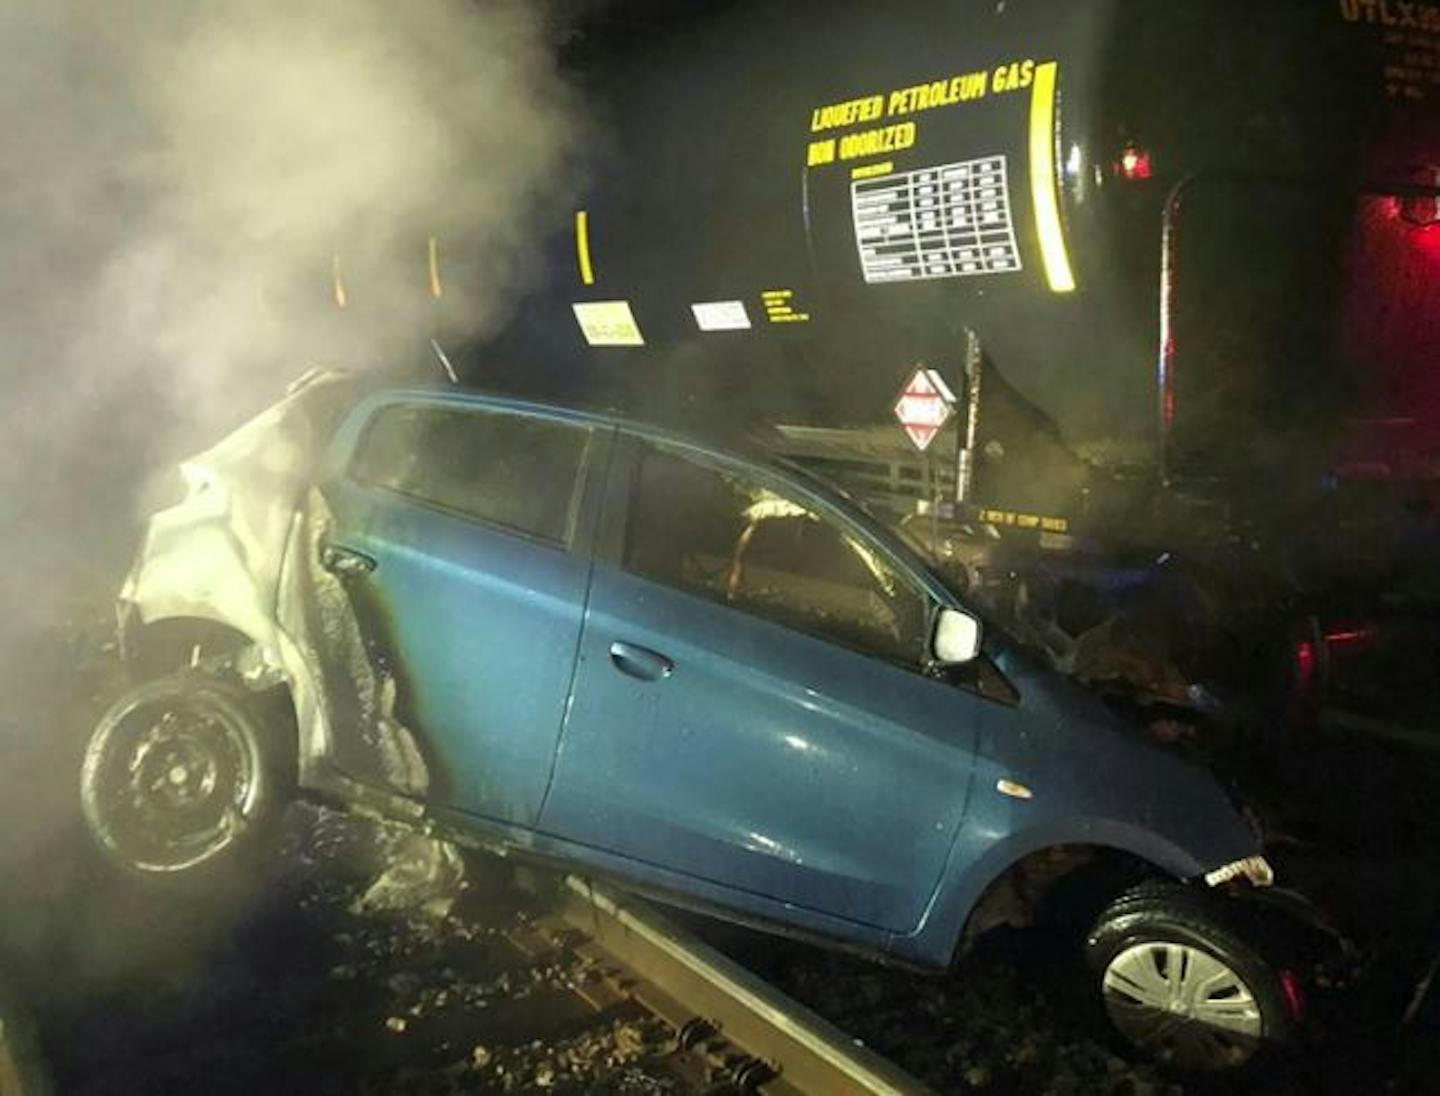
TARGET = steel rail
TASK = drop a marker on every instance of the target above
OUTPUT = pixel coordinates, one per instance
(803, 1052)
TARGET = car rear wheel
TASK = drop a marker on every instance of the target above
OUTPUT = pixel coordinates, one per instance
(1182, 985)
(183, 776)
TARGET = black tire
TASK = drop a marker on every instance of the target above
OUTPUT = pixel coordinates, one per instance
(1182, 984)
(186, 779)
(22, 1072)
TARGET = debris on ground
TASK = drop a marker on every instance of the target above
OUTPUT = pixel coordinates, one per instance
(423, 875)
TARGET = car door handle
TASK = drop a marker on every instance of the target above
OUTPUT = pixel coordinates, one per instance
(345, 562)
(640, 662)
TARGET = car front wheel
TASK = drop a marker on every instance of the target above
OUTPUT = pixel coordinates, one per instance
(1180, 983)
(184, 776)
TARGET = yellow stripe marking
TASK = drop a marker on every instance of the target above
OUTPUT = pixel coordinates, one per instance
(341, 297)
(436, 289)
(869, 171)
(1044, 183)
(582, 247)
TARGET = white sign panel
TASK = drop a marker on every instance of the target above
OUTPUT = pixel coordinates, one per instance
(721, 316)
(608, 323)
(947, 221)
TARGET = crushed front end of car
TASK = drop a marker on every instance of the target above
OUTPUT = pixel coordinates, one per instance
(252, 671)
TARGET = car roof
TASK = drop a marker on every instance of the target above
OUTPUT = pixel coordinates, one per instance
(753, 442)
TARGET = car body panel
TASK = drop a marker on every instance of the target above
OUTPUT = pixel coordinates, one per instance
(767, 761)
(1093, 781)
(483, 626)
(227, 553)
(679, 889)
(858, 767)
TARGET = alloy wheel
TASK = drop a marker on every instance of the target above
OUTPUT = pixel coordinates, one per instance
(1182, 1005)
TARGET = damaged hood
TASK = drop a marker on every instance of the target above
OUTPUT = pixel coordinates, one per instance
(218, 554)
(243, 550)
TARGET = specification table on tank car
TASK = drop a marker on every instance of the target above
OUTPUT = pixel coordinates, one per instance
(948, 221)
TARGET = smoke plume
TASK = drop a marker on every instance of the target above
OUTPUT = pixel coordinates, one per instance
(190, 192)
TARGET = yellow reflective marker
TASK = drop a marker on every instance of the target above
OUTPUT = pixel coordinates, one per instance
(1013, 790)
(1044, 184)
(582, 247)
(341, 297)
(870, 171)
(436, 290)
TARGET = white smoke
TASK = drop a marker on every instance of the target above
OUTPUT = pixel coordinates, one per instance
(181, 181)
(177, 180)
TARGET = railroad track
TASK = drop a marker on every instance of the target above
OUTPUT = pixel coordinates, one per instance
(739, 1031)
(531, 981)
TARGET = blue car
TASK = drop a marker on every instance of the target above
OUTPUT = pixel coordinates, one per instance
(686, 667)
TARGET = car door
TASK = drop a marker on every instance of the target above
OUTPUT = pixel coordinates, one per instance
(464, 534)
(750, 707)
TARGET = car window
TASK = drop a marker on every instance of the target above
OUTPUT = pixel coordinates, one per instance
(518, 471)
(722, 536)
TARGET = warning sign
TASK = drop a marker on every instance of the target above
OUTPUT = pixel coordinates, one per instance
(948, 221)
(924, 407)
(721, 316)
(608, 323)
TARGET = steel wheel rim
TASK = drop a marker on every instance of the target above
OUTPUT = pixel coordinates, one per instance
(173, 783)
(1183, 1005)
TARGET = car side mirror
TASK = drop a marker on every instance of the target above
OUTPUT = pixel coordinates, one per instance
(957, 638)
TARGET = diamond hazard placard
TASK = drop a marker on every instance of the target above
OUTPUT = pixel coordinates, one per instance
(924, 407)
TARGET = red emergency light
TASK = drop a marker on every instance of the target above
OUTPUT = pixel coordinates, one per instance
(1304, 682)
(1134, 164)
(1350, 637)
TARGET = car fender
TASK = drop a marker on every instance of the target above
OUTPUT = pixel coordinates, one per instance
(195, 566)
(1062, 770)
(240, 551)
